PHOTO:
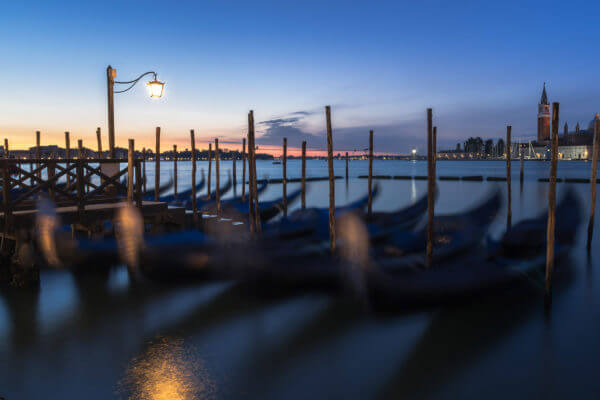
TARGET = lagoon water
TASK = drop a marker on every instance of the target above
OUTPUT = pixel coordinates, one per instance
(98, 337)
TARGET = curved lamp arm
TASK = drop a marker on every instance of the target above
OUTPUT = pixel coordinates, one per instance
(133, 82)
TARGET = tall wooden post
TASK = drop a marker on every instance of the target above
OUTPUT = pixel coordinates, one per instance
(175, 171)
(331, 179)
(37, 151)
(130, 171)
(346, 165)
(68, 156)
(138, 182)
(99, 139)
(593, 182)
(252, 149)
(234, 170)
(51, 171)
(284, 178)
(508, 178)
(552, 203)
(157, 165)
(111, 74)
(370, 189)
(209, 170)
(81, 156)
(244, 169)
(6, 148)
(522, 156)
(430, 188)
(193, 140)
(251, 217)
(144, 155)
(303, 192)
(218, 177)
(434, 155)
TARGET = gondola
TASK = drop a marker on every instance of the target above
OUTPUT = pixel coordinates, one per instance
(529, 235)
(312, 221)
(122, 190)
(203, 200)
(480, 272)
(230, 205)
(400, 242)
(303, 266)
(185, 195)
(150, 194)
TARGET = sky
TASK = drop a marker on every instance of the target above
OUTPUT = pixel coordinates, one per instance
(380, 65)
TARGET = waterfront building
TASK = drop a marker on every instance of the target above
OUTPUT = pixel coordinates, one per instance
(575, 145)
(543, 125)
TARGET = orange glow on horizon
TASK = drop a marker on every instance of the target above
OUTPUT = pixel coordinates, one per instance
(23, 139)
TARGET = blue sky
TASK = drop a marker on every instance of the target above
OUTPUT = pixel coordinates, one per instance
(480, 65)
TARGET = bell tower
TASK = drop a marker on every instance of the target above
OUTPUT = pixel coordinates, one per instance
(543, 131)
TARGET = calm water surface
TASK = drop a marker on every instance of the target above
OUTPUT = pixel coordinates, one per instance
(97, 337)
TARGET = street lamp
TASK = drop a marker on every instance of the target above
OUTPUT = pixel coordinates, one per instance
(155, 87)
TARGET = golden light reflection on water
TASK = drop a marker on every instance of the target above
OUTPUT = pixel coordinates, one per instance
(168, 369)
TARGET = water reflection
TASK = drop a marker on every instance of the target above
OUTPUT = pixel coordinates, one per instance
(168, 369)
(86, 330)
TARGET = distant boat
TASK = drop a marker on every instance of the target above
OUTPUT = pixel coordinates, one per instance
(276, 162)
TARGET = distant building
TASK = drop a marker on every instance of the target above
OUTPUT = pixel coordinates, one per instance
(576, 145)
(543, 126)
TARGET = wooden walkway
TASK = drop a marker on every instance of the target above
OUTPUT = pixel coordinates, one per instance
(91, 212)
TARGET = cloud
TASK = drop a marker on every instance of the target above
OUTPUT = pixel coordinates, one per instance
(390, 138)
(275, 130)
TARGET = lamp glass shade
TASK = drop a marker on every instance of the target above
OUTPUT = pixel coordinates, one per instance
(156, 88)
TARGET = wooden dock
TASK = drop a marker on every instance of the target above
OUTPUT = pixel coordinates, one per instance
(87, 193)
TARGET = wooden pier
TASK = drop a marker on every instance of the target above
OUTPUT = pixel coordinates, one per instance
(87, 193)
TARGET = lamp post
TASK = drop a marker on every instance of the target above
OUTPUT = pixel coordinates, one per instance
(155, 87)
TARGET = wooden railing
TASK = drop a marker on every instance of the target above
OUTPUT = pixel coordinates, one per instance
(69, 182)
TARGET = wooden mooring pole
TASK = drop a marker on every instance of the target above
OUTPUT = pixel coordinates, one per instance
(522, 156)
(130, 171)
(284, 176)
(234, 170)
(552, 204)
(218, 177)
(208, 187)
(331, 179)
(138, 181)
(157, 165)
(257, 222)
(99, 140)
(303, 188)
(68, 156)
(144, 168)
(175, 171)
(434, 155)
(508, 178)
(346, 165)
(6, 155)
(251, 218)
(254, 210)
(81, 156)
(194, 208)
(430, 189)
(370, 188)
(37, 151)
(593, 183)
(244, 169)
